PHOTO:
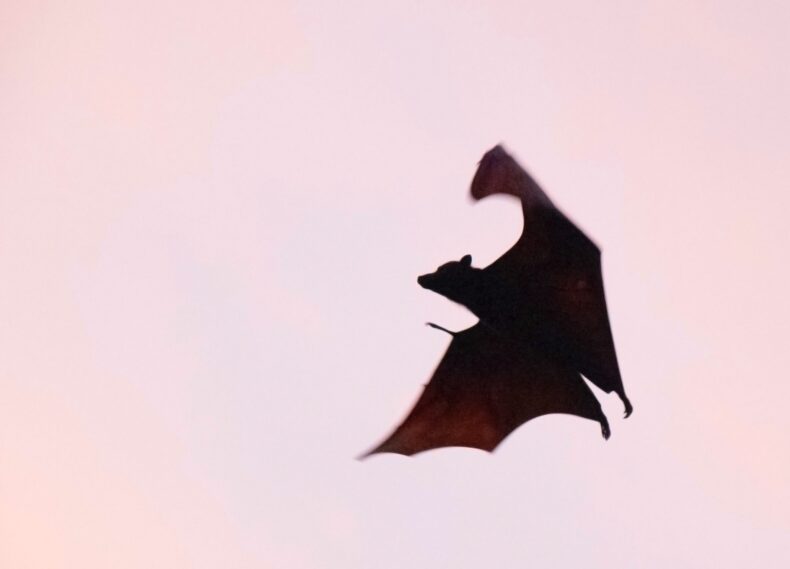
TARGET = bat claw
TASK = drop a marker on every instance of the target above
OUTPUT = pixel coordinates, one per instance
(628, 407)
(605, 430)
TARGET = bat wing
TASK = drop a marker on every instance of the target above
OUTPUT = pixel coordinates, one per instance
(551, 277)
(484, 388)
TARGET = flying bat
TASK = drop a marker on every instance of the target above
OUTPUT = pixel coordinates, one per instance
(542, 324)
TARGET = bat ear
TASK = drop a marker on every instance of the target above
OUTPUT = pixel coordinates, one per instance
(466, 260)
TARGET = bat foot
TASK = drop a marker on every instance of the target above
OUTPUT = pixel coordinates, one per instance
(605, 432)
(628, 407)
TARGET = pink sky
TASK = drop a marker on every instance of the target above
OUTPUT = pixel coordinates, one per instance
(212, 216)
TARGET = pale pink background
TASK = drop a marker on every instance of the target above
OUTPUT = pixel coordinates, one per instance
(212, 215)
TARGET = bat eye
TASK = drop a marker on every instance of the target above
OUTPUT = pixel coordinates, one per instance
(581, 284)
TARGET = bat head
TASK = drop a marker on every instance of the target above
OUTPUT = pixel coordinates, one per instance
(455, 280)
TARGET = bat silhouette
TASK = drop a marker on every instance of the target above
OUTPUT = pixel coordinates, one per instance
(542, 324)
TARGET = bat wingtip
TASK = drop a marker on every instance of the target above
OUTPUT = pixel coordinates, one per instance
(377, 450)
(497, 150)
(496, 173)
(387, 447)
(367, 454)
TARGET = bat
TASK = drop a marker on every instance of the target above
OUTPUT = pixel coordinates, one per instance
(542, 325)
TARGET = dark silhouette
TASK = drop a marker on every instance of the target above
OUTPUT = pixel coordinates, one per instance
(542, 324)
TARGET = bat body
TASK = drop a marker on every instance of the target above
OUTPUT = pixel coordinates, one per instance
(542, 324)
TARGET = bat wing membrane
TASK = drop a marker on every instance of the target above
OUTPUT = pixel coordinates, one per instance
(556, 269)
(484, 388)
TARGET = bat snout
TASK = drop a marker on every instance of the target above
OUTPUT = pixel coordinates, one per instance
(425, 281)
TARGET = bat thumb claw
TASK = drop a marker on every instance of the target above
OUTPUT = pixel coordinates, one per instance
(442, 328)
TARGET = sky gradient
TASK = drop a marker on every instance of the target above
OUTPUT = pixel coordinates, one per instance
(212, 216)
